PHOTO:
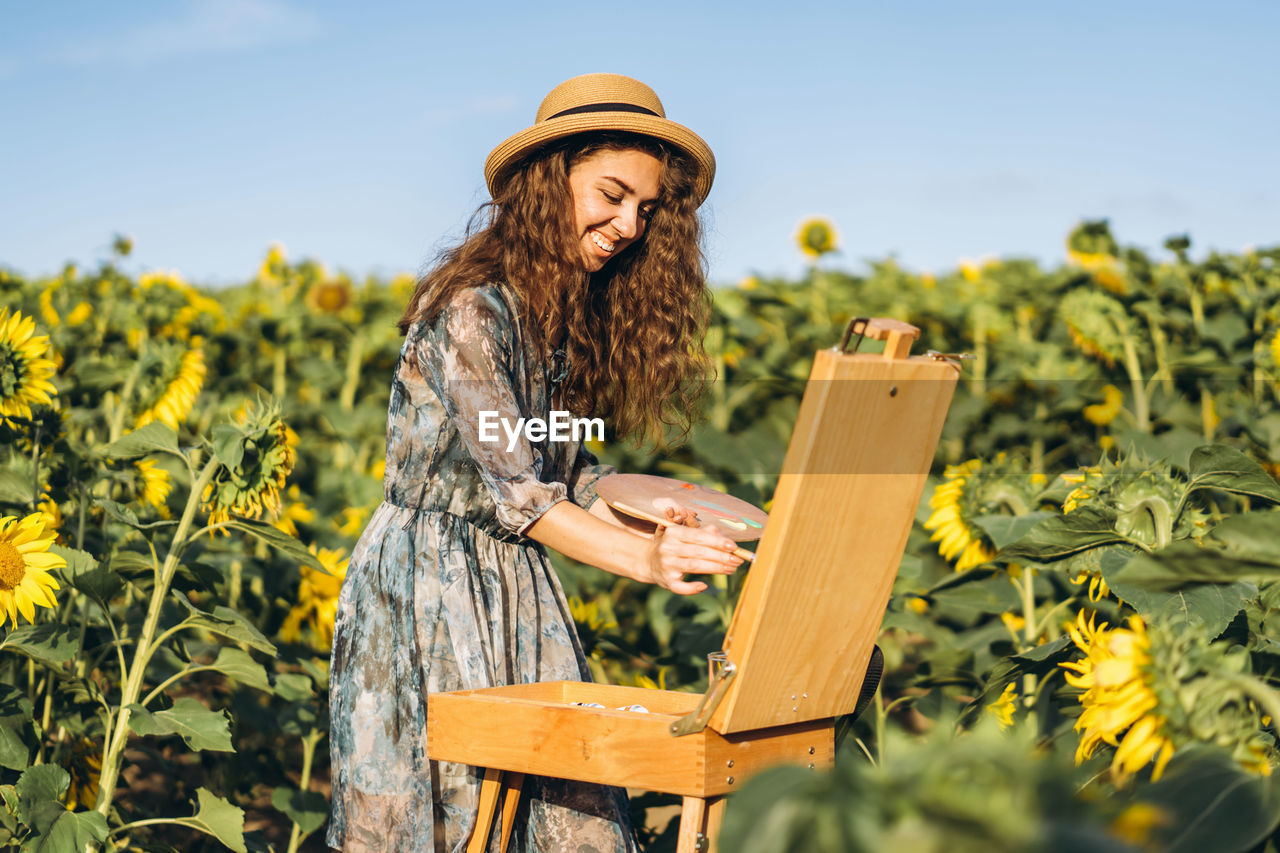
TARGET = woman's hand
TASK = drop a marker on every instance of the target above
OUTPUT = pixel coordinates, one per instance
(679, 550)
(663, 558)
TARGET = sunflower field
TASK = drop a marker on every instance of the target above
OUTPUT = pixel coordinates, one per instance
(1082, 650)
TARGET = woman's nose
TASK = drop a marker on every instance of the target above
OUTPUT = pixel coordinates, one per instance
(625, 224)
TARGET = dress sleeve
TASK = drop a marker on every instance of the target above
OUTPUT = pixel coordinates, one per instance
(582, 482)
(467, 356)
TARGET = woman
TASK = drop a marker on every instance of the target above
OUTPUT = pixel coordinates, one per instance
(584, 293)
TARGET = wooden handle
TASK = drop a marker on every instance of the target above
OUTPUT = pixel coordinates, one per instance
(886, 328)
(896, 334)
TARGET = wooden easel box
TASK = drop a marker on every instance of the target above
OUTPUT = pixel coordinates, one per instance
(805, 624)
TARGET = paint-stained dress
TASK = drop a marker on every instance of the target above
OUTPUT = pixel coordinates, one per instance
(443, 592)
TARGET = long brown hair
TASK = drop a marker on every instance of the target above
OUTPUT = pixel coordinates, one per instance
(633, 331)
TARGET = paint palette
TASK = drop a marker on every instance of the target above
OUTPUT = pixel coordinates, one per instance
(634, 495)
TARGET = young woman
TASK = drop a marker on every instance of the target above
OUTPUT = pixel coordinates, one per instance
(582, 292)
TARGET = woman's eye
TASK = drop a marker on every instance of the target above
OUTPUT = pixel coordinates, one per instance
(647, 213)
(615, 199)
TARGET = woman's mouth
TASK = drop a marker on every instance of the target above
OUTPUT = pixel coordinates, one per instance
(603, 244)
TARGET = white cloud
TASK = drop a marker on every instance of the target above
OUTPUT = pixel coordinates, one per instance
(208, 26)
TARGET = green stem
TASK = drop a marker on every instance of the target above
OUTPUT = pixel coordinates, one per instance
(1028, 589)
(159, 688)
(309, 743)
(84, 499)
(122, 403)
(1265, 696)
(881, 715)
(35, 470)
(151, 821)
(355, 359)
(113, 752)
(980, 345)
(1134, 368)
(278, 373)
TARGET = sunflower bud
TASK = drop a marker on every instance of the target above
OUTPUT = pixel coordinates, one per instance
(255, 459)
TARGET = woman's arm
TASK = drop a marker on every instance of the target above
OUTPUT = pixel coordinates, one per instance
(661, 558)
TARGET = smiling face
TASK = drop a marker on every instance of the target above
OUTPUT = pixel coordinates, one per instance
(614, 195)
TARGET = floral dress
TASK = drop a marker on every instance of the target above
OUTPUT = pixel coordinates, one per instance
(444, 592)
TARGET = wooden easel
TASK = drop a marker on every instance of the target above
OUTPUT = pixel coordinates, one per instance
(799, 641)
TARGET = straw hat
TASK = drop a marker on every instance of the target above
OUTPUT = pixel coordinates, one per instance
(600, 102)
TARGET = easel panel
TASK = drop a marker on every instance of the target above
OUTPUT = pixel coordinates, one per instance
(603, 745)
(854, 473)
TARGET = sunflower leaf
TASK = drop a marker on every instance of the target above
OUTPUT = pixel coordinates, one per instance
(281, 541)
(68, 831)
(236, 663)
(1219, 467)
(155, 437)
(49, 643)
(124, 514)
(40, 784)
(15, 488)
(219, 818)
(1063, 535)
(307, 809)
(200, 727)
(228, 445)
(85, 574)
(294, 687)
(227, 623)
(1005, 529)
(1243, 810)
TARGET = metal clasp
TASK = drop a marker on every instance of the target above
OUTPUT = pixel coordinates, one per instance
(956, 357)
(848, 333)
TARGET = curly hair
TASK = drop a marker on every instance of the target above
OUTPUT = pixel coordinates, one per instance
(632, 331)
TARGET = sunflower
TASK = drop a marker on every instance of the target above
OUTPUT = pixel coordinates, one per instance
(25, 563)
(24, 370)
(330, 297)
(816, 237)
(156, 484)
(1120, 703)
(294, 512)
(1085, 484)
(85, 767)
(317, 599)
(1098, 588)
(175, 402)
(1105, 412)
(1102, 268)
(972, 490)
(273, 266)
(250, 483)
(1002, 709)
(1097, 323)
(957, 537)
(52, 512)
(350, 521)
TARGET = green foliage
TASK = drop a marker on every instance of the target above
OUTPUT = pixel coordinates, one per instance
(1153, 383)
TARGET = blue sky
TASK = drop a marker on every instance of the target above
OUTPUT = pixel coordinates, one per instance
(355, 133)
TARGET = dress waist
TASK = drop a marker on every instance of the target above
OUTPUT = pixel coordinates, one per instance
(493, 530)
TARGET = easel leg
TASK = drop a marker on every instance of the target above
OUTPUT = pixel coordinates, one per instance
(489, 790)
(715, 814)
(693, 818)
(510, 800)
